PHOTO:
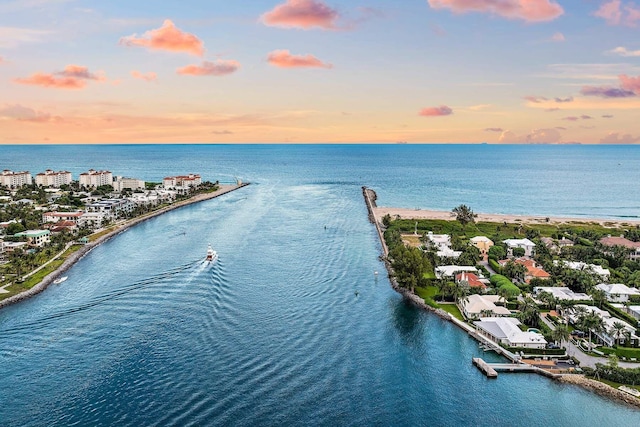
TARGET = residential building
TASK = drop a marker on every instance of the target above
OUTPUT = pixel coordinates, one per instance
(93, 220)
(35, 237)
(506, 331)
(442, 244)
(533, 269)
(15, 179)
(578, 265)
(8, 247)
(61, 216)
(525, 244)
(112, 207)
(483, 243)
(607, 334)
(191, 180)
(449, 271)
(472, 280)
(121, 183)
(50, 178)
(634, 247)
(617, 292)
(477, 306)
(634, 310)
(561, 293)
(565, 243)
(64, 225)
(94, 178)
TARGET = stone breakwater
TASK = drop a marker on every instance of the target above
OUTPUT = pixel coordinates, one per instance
(601, 389)
(76, 256)
(370, 200)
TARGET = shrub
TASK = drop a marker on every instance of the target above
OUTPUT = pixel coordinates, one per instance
(495, 265)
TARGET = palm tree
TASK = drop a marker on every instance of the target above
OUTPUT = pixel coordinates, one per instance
(599, 297)
(617, 331)
(464, 215)
(590, 322)
(529, 312)
(548, 299)
(561, 334)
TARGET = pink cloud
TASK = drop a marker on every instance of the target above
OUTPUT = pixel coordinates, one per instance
(284, 59)
(218, 68)
(2, 61)
(148, 77)
(615, 14)
(571, 118)
(631, 84)
(442, 110)
(494, 130)
(168, 37)
(303, 14)
(26, 114)
(526, 10)
(607, 116)
(72, 77)
(558, 37)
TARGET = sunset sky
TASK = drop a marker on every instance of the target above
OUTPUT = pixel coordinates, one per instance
(212, 71)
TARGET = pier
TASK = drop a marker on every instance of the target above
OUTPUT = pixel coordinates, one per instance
(484, 367)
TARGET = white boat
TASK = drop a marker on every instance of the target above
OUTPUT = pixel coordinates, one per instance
(60, 280)
(211, 254)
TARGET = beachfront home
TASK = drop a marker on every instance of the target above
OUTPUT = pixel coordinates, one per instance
(93, 220)
(633, 247)
(561, 293)
(35, 237)
(112, 207)
(449, 271)
(182, 181)
(506, 331)
(525, 244)
(472, 281)
(617, 292)
(483, 243)
(578, 265)
(477, 306)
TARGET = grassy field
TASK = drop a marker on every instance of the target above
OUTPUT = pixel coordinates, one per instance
(428, 294)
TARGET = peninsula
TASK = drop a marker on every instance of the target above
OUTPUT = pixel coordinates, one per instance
(556, 296)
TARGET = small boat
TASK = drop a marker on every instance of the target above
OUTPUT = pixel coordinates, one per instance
(211, 254)
(60, 280)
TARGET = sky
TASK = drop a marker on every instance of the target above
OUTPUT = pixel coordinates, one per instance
(316, 71)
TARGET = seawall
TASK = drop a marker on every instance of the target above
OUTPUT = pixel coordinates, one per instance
(76, 256)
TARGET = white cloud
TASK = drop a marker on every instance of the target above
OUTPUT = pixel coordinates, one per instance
(623, 51)
(11, 37)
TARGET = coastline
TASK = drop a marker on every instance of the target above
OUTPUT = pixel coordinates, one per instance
(579, 380)
(76, 256)
(512, 219)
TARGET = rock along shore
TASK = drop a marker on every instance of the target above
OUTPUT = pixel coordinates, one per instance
(73, 258)
(579, 380)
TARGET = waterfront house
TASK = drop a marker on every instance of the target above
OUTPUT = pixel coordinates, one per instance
(449, 271)
(477, 306)
(92, 220)
(112, 207)
(506, 331)
(617, 292)
(525, 244)
(442, 244)
(561, 293)
(607, 335)
(633, 247)
(35, 237)
(61, 216)
(483, 243)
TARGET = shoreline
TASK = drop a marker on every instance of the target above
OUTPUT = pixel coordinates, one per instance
(579, 380)
(76, 256)
(405, 213)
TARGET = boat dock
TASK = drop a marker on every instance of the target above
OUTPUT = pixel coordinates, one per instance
(491, 369)
(484, 367)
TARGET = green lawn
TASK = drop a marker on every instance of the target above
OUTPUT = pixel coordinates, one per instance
(627, 352)
(616, 385)
(428, 294)
(453, 310)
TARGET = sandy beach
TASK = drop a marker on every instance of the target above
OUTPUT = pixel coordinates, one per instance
(119, 228)
(404, 213)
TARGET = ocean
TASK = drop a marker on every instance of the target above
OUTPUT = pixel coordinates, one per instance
(291, 326)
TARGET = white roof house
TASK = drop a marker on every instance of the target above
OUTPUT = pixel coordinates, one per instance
(617, 292)
(448, 253)
(634, 310)
(562, 293)
(451, 270)
(607, 334)
(525, 244)
(578, 265)
(505, 330)
(475, 306)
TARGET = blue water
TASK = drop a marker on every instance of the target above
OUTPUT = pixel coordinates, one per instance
(144, 333)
